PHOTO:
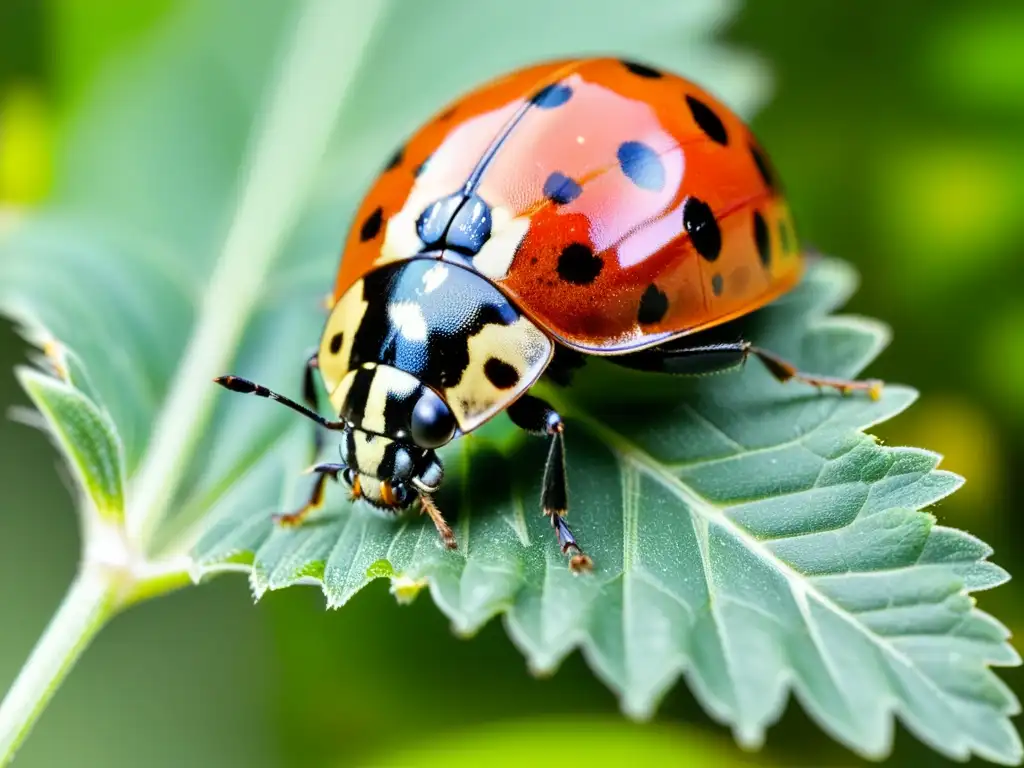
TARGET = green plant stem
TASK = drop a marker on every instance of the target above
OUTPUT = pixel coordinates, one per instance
(88, 605)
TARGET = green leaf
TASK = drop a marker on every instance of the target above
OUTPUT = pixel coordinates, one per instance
(746, 533)
(86, 437)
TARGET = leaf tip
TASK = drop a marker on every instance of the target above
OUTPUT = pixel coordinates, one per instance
(257, 585)
(749, 736)
(542, 666)
(406, 589)
(638, 708)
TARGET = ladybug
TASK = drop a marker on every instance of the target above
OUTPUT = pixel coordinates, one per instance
(586, 207)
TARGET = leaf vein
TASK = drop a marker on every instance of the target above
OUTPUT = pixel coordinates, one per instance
(710, 513)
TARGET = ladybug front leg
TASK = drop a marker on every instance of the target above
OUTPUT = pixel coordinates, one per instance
(316, 498)
(538, 418)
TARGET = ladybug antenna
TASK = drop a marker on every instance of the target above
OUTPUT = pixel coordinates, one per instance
(246, 387)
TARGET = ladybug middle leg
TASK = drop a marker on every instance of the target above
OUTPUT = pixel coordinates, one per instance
(538, 418)
(785, 371)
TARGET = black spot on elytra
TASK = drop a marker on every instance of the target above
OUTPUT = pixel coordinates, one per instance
(336, 341)
(641, 165)
(764, 167)
(653, 306)
(707, 120)
(577, 264)
(560, 189)
(717, 284)
(762, 239)
(396, 159)
(551, 96)
(642, 70)
(419, 169)
(699, 222)
(446, 115)
(500, 374)
(371, 227)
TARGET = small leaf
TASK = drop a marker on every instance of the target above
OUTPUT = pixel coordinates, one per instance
(87, 438)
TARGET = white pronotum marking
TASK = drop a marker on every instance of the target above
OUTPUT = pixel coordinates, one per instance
(408, 320)
(434, 277)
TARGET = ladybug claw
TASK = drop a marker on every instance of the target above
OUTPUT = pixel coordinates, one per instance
(581, 563)
(289, 519)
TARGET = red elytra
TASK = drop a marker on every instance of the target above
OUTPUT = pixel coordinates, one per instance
(629, 206)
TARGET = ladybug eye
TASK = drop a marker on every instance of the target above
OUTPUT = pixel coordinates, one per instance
(432, 424)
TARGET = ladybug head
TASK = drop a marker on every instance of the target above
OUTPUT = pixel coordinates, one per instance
(395, 425)
(385, 472)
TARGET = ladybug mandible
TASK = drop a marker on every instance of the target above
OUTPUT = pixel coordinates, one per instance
(596, 206)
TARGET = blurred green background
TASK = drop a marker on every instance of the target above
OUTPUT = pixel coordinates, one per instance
(897, 129)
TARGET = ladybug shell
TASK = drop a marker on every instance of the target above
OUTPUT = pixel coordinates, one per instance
(617, 206)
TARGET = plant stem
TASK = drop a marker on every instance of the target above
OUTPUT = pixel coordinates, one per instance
(321, 59)
(88, 604)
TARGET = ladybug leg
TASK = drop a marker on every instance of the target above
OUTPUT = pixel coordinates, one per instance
(316, 498)
(428, 506)
(563, 366)
(538, 418)
(786, 371)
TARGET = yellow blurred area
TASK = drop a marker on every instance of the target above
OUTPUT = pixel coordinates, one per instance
(25, 142)
(949, 206)
(967, 437)
(566, 741)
